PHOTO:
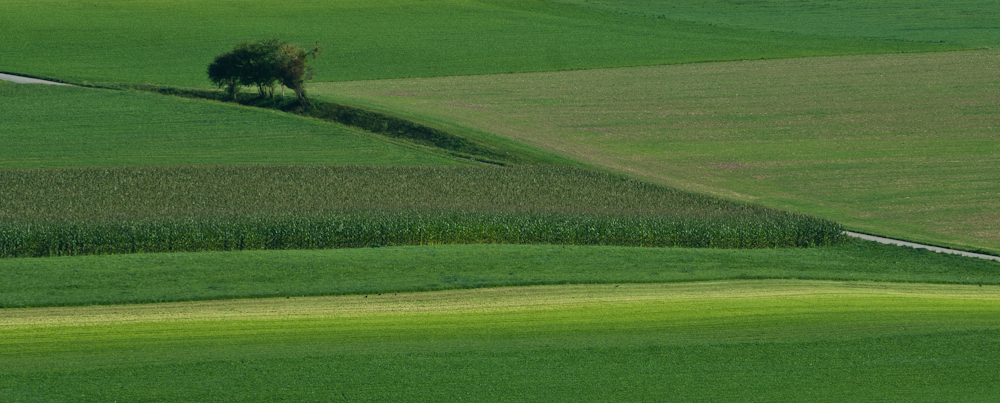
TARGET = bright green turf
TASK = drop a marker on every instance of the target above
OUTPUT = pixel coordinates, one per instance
(732, 341)
(224, 275)
(48, 126)
(171, 41)
(966, 22)
(898, 145)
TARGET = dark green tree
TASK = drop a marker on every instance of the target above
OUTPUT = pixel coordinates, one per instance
(263, 64)
(257, 64)
(223, 72)
(293, 69)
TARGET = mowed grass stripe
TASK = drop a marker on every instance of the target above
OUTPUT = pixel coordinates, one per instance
(897, 145)
(366, 40)
(839, 341)
(55, 127)
(145, 278)
(657, 314)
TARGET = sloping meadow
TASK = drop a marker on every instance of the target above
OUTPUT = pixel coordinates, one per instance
(84, 211)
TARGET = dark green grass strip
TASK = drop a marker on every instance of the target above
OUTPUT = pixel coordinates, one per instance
(956, 366)
(224, 275)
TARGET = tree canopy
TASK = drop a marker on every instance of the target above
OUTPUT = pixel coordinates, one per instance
(262, 64)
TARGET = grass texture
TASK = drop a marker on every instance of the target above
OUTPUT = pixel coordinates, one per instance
(54, 127)
(172, 42)
(174, 209)
(898, 145)
(146, 278)
(780, 340)
(969, 23)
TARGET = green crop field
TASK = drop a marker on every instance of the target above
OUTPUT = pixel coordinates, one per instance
(178, 209)
(731, 341)
(899, 145)
(171, 42)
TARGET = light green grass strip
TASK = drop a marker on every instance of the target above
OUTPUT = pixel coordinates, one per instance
(367, 347)
(49, 127)
(896, 145)
(172, 42)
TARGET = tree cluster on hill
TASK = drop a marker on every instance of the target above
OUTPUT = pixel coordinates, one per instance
(264, 63)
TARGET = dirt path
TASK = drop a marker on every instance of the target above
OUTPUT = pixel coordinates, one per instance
(26, 80)
(890, 241)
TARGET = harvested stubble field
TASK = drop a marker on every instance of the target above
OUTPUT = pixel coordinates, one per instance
(169, 209)
(775, 340)
(899, 145)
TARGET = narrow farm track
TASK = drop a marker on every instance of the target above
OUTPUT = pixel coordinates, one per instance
(26, 80)
(890, 241)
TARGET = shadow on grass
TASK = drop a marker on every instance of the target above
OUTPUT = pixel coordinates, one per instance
(366, 120)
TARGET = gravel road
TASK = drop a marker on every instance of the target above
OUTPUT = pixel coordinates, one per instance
(890, 241)
(26, 80)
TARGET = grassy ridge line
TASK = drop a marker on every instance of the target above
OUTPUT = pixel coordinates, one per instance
(145, 278)
(365, 40)
(486, 149)
(945, 336)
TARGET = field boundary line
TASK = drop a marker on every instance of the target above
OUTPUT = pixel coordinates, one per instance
(938, 249)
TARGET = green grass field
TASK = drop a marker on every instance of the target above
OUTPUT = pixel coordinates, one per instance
(54, 127)
(969, 23)
(775, 340)
(172, 42)
(898, 145)
(166, 277)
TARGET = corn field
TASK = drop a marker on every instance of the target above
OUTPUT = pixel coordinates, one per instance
(173, 209)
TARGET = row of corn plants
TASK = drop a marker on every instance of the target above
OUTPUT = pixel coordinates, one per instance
(397, 228)
(171, 209)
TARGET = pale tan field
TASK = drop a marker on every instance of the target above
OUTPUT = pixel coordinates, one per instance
(903, 145)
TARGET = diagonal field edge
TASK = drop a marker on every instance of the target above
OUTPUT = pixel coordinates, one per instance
(890, 241)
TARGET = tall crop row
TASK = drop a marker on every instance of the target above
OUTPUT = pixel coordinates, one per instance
(366, 229)
(135, 210)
